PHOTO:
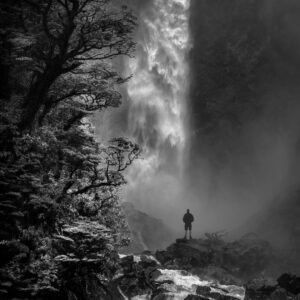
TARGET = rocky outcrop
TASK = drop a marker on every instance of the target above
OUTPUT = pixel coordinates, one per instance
(218, 259)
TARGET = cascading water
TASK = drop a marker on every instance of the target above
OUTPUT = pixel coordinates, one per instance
(158, 100)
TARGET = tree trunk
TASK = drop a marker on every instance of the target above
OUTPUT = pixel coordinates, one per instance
(37, 96)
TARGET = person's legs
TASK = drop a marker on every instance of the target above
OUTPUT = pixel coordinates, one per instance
(190, 228)
(186, 230)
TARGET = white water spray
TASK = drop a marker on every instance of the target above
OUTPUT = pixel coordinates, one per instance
(158, 97)
(160, 74)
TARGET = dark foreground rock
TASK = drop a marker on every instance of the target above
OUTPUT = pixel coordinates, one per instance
(287, 287)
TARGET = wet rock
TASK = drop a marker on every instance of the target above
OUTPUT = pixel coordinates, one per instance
(203, 290)
(289, 282)
(258, 290)
(219, 296)
(225, 297)
(126, 263)
(148, 261)
(279, 294)
(164, 256)
(164, 296)
(214, 295)
(195, 297)
(190, 252)
(167, 287)
(152, 274)
(220, 289)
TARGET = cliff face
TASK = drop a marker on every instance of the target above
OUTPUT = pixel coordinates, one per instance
(147, 233)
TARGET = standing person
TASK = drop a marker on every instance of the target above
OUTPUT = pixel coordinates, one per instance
(188, 218)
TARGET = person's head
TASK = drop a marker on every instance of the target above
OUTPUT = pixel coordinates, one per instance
(187, 210)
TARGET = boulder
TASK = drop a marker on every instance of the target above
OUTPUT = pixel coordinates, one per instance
(203, 290)
(168, 287)
(289, 282)
(127, 262)
(163, 256)
(190, 252)
(279, 294)
(164, 296)
(195, 297)
(225, 297)
(152, 274)
(148, 261)
(258, 290)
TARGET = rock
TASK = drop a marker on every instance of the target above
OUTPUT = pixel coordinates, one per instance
(191, 253)
(203, 290)
(195, 297)
(279, 294)
(289, 282)
(167, 287)
(163, 256)
(89, 288)
(218, 296)
(214, 295)
(127, 262)
(220, 289)
(248, 255)
(148, 261)
(226, 297)
(152, 274)
(184, 272)
(258, 290)
(182, 241)
(164, 296)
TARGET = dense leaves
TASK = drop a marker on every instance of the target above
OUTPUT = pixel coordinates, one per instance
(59, 207)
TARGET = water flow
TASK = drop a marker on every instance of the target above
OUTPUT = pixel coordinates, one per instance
(158, 91)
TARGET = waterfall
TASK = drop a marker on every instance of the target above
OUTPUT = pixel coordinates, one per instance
(158, 94)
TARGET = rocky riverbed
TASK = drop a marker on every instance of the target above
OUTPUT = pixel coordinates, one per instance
(198, 269)
(145, 278)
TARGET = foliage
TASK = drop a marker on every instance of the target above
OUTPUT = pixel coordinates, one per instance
(215, 237)
(59, 207)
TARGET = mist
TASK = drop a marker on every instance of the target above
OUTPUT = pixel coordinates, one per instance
(214, 102)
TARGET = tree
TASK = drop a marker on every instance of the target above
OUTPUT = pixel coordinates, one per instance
(59, 41)
(59, 207)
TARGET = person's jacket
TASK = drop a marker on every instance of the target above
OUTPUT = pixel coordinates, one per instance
(188, 218)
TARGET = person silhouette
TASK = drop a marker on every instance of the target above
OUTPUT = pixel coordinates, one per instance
(188, 218)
